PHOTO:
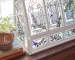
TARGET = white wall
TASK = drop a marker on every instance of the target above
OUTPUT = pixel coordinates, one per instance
(6, 7)
(0, 7)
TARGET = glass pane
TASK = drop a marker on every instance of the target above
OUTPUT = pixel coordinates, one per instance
(70, 33)
(36, 16)
(53, 13)
(20, 24)
(69, 11)
(56, 37)
(40, 42)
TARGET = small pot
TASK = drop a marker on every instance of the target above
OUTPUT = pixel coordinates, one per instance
(6, 39)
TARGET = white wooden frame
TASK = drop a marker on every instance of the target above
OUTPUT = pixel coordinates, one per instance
(47, 33)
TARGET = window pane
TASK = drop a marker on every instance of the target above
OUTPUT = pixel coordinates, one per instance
(36, 16)
(56, 37)
(20, 23)
(53, 13)
(69, 11)
(40, 42)
(70, 33)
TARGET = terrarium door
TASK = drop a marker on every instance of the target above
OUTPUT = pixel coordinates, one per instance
(36, 16)
(54, 13)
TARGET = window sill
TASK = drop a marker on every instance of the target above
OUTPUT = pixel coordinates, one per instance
(49, 52)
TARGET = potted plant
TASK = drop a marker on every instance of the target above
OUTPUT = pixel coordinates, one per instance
(7, 29)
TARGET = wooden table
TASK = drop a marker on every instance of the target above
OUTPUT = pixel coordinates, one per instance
(64, 51)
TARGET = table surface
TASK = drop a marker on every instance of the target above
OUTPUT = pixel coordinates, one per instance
(60, 52)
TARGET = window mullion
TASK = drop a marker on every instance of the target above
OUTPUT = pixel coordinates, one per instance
(63, 17)
(62, 12)
(46, 15)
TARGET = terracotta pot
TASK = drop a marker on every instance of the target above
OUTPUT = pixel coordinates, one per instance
(6, 39)
(6, 47)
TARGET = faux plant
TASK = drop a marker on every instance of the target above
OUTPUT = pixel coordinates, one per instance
(6, 25)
